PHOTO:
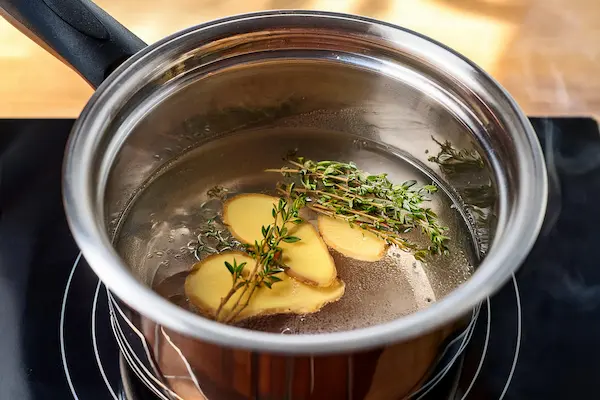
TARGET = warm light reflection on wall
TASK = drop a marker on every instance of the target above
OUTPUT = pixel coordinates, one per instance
(480, 37)
(545, 52)
(11, 48)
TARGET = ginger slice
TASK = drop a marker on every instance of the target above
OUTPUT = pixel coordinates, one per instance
(210, 281)
(351, 241)
(308, 259)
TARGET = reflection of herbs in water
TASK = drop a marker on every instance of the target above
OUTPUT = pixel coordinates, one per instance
(462, 167)
(452, 160)
(334, 189)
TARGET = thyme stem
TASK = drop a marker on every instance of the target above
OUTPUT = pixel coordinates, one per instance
(267, 253)
(372, 202)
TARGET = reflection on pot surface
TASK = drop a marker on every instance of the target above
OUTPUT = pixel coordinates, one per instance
(176, 366)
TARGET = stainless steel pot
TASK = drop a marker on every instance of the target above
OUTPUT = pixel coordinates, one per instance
(329, 72)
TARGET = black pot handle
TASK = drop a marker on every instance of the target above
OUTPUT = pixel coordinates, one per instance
(78, 32)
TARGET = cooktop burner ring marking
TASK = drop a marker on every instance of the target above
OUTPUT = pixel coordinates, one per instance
(518, 343)
(61, 329)
(127, 350)
(95, 343)
(455, 385)
(185, 361)
(127, 357)
(483, 352)
(485, 346)
(466, 336)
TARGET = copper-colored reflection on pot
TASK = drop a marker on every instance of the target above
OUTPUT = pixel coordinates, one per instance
(199, 370)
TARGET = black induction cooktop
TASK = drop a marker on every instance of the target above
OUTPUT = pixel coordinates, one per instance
(538, 338)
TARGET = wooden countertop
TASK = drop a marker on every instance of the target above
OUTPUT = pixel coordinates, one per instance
(545, 52)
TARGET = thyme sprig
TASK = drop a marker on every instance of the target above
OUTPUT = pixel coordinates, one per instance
(371, 202)
(267, 254)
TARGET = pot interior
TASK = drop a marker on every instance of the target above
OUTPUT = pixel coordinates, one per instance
(217, 105)
(224, 128)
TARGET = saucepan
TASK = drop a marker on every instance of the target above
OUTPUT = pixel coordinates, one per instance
(214, 106)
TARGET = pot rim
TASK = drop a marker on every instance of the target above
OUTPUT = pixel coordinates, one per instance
(87, 226)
